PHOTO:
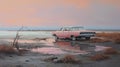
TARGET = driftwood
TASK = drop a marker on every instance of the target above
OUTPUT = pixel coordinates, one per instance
(15, 42)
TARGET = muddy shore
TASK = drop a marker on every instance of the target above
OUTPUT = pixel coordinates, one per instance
(36, 59)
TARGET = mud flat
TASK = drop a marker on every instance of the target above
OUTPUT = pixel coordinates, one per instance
(39, 50)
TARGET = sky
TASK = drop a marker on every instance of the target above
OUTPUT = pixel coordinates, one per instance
(35, 13)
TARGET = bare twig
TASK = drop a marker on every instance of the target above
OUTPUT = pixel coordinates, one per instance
(15, 42)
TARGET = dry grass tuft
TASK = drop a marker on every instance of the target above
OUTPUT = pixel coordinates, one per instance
(7, 49)
(68, 59)
(108, 35)
(110, 51)
(117, 40)
(98, 40)
(50, 59)
(22, 51)
(114, 37)
(99, 57)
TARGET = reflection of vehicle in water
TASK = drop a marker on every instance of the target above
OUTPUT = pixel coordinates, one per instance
(73, 33)
(74, 46)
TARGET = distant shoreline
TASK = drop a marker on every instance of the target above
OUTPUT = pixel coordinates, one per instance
(30, 30)
(57, 30)
(102, 30)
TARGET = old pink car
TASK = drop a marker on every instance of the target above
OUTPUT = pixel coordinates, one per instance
(73, 33)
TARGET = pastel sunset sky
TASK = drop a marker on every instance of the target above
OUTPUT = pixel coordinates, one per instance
(60, 13)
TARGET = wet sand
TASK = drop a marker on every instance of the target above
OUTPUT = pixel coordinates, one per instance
(40, 50)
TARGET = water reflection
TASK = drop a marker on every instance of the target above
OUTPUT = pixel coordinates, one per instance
(48, 50)
(80, 46)
(49, 46)
(75, 46)
(69, 47)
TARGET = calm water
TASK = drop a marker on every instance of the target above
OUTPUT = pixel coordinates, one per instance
(31, 34)
(63, 47)
(25, 34)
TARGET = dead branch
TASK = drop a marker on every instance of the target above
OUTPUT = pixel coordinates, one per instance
(15, 42)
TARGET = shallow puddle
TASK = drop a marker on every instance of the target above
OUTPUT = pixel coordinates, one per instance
(56, 51)
(63, 47)
(48, 50)
(101, 48)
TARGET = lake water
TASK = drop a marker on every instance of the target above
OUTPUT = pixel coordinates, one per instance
(25, 34)
(31, 34)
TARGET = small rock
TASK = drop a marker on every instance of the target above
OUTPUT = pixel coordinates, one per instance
(27, 61)
(50, 59)
(10, 56)
(19, 66)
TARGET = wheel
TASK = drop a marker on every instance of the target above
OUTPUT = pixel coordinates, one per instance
(56, 38)
(87, 38)
(73, 38)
